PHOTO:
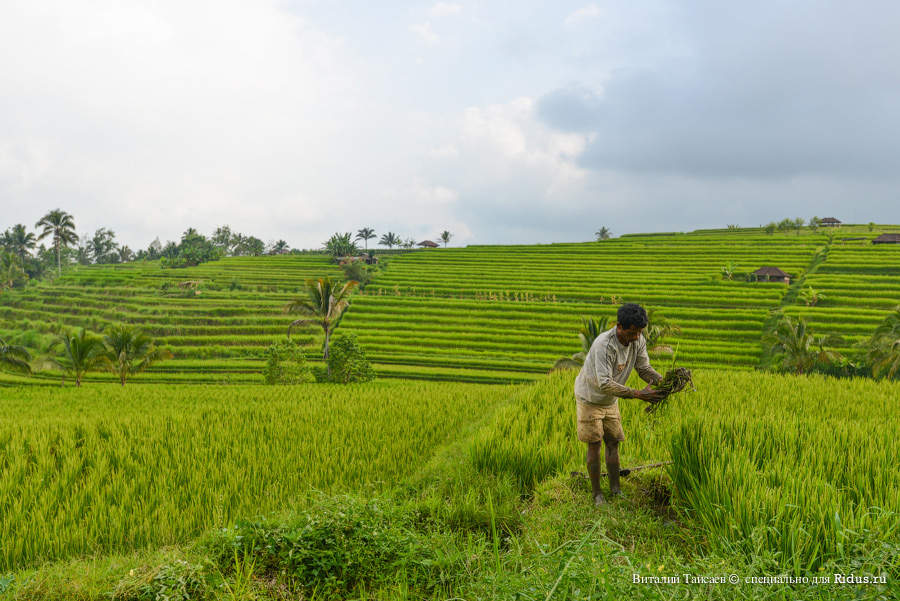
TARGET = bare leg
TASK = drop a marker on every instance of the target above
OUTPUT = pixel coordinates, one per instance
(612, 466)
(593, 468)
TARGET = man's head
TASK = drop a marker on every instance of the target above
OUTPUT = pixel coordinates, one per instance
(631, 320)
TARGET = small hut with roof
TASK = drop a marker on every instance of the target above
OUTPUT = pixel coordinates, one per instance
(887, 239)
(829, 222)
(771, 274)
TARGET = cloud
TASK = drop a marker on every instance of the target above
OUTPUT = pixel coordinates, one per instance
(445, 9)
(585, 13)
(425, 33)
(764, 93)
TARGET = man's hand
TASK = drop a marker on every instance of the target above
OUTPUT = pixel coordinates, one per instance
(649, 395)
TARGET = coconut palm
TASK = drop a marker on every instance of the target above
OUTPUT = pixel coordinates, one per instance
(795, 347)
(324, 305)
(390, 240)
(62, 226)
(280, 248)
(19, 241)
(81, 353)
(341, 245)
(365, 234)
(884, 347)
(129, 351)
(445, 237)
(589, 331)
(603, 233)
(14, 358)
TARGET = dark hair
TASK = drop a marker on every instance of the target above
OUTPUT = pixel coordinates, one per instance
(631, 314)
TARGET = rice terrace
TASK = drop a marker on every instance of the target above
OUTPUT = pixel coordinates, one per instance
(163, 437)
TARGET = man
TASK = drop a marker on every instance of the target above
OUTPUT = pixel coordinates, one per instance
(600, 385)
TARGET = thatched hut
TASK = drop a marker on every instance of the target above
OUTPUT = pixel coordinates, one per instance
(829, 222)
(887, 239)
(428, 244)
(771, 274)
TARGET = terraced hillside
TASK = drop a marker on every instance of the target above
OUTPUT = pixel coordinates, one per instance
(479, 314)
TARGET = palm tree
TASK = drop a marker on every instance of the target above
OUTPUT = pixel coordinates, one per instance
(62, 226)
(603, 233)
(884, 347)
(390, 240)
(125, 254)
(81, 353)
(341, 245)
(728, 270)
(129, 351)
(589, 331)
(280, 248)
(19, 241)
(365, 234)
(795, 347)
(14, 358)
(324, 305)
(445, 237)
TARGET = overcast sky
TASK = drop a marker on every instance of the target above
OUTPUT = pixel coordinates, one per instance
(503, 122)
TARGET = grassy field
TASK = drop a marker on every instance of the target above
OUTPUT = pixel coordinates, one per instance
(479, 314)
(196, 482)
(763, 479)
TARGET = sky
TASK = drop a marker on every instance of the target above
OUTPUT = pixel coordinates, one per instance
(502, 122)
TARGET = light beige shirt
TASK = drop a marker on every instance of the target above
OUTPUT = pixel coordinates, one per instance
(607, 366)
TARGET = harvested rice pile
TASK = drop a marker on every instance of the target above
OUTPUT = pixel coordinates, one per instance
(674, 381)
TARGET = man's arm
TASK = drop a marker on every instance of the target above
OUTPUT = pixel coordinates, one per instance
(642, 364)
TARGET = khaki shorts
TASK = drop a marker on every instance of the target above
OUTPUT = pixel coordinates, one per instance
(597, 422)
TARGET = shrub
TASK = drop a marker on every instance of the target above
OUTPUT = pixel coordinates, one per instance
(356, 271)
(286, 364)
(347, 361)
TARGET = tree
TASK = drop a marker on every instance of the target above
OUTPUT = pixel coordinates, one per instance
(129, 351)
(12, 273)
(814, 223)
(390, 240)
(324, 305)
(223, 238)
(286, 364)
(589, 331)
(365, 234)
(125, 254)
(795, 349)
(81, 353)
(280, 248)
(62, 226)
(603, 234)
(884, 347)
(409, 243)
(728, 270)
(445, 237)
(871, 226)
(103, 246)
(348, 362)
(811, 296)
(770, 227)
(20, 241)
(798, 224)
(14, 358)
(341, 245)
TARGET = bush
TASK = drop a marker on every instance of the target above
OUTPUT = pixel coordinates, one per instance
(356, 271)
(286, 364)
(347, 361)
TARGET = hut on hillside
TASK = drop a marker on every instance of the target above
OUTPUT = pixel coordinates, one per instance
(771, 274)
(887, 239)
(428, 244)
(829, 222)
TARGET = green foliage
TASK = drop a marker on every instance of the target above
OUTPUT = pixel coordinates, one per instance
(340, 544)
(588, 332)
(341, 245)
(795, 349)
(193, 249)
(347, 361)
(176, 581)
(356, 271)
(12, 274)
(14, 358)
(883, 348)
(81, 353)
(324, 305)
(286, 364)
(390, 240)
(129, 351)
(770, 227)
(603, 234)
